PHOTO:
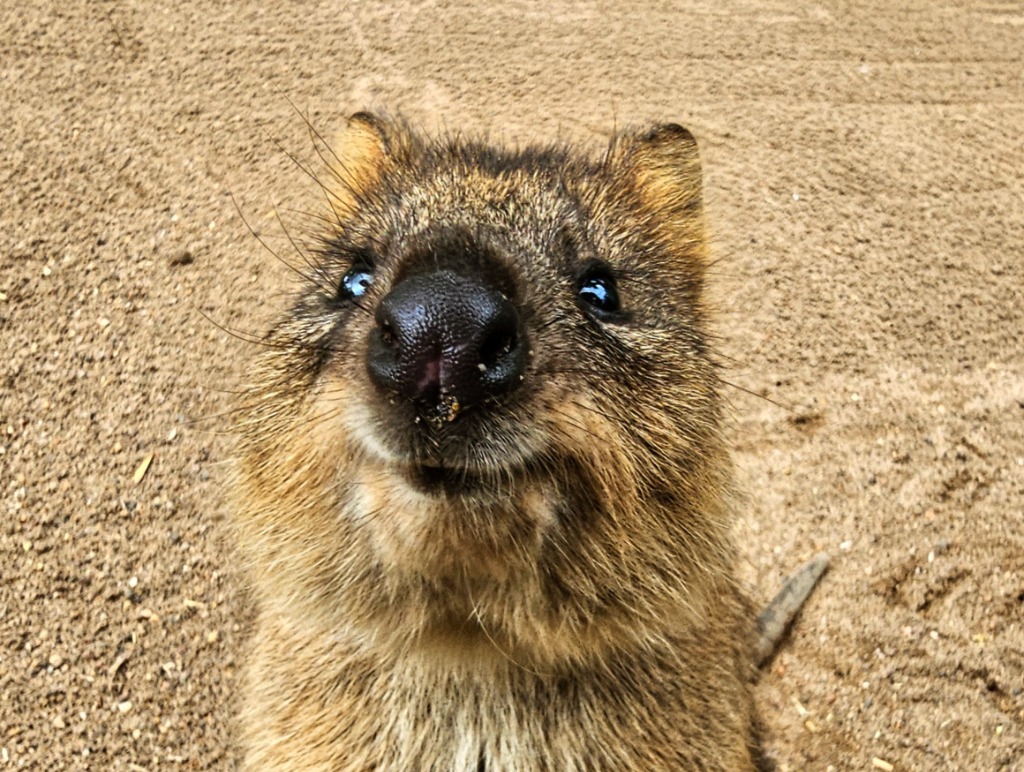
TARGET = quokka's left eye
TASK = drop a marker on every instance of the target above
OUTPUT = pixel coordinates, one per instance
(598, 291)
(355, 283)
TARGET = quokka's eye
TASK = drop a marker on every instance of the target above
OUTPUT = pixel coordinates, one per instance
(597, 290)
(355, 283)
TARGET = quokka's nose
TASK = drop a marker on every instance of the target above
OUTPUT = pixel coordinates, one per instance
(443, 338)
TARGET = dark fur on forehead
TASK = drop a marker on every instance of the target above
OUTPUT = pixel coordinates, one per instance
(470, 251)
(414, 153)
(496, 161)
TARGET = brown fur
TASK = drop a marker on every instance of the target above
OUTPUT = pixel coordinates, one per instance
(570, 603)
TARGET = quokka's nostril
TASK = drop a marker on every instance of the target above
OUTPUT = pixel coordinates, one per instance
(496, 347)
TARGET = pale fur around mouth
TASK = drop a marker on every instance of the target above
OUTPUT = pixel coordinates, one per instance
(436, 474)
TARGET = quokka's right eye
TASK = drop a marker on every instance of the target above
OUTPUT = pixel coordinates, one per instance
(355, 283)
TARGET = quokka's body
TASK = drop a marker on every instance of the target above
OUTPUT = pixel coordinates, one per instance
(482, 496)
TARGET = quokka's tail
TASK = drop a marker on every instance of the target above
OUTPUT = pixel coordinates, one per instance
(774, 621)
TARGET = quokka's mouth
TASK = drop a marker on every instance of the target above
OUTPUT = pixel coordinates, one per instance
(434, 478)
(437, 478)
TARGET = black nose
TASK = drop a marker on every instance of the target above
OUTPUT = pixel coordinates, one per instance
(446, 341)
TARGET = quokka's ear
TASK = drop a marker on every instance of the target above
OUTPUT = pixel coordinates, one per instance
(358, 160)
(666, 169)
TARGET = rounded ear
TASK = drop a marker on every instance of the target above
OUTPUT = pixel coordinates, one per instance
(665, 167)
(358, 159)
(668, 164)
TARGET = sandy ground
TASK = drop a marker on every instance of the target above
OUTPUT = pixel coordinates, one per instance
(865, 187)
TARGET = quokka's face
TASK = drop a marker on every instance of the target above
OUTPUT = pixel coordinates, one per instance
(481, 319)
(493, 400)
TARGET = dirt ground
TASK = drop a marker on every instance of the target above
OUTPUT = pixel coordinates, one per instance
(864, 176)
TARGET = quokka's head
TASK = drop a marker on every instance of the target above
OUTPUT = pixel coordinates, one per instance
(493, 404)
